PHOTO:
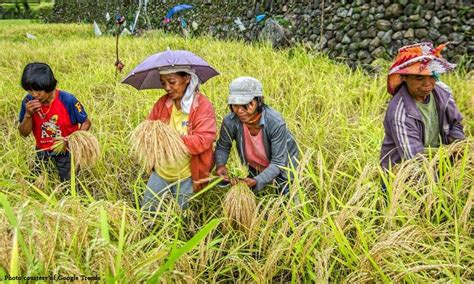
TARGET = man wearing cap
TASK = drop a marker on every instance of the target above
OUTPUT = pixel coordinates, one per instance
(422, 113)
(263, 141)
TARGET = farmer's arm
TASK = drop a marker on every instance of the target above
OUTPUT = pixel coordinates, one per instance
(203, 133)
(86, 125)
(406, 137)
(279, 157)
(28, 108)
(26, 126)
(454, 119)
(158, 109)
(224, 143)
(223, 147)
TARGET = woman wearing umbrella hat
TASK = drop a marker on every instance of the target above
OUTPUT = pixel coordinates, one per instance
(185, 108)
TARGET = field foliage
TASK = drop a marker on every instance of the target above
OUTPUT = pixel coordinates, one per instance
(342, 229)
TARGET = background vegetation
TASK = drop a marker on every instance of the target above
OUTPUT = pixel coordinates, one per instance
(11, 9)
(343, 229)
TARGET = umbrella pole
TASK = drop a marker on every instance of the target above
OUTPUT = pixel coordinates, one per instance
(118, 63)
(117, 60)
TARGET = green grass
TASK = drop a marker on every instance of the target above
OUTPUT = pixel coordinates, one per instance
(343, 230)
(7, 23)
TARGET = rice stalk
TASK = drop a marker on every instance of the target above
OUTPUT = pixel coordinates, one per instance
(85, 148)
(322, 264)
(59, 146)
(41, 181)
(239, 207)
(356, 202)
(156, 144)
(344, 129)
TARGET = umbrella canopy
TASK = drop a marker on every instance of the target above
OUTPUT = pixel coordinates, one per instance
(147, 74)
(176, 9)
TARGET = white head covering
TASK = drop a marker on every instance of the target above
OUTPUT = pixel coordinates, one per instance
(193, 85)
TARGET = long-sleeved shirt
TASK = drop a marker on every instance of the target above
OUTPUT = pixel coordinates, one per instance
(201, 134)
(404, 128)
(280, 146)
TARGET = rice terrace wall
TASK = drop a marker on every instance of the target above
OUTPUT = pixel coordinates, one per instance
(357, 31)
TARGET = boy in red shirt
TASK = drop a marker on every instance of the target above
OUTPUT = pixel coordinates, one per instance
(50, 114)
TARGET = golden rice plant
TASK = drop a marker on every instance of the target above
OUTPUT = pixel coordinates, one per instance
(41, 181)
(155, 144)
(85, 148)
(239, 207)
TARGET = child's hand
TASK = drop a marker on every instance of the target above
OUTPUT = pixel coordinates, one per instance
(32, 107)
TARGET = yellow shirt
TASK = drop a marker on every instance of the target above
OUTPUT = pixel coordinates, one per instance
(180, 169)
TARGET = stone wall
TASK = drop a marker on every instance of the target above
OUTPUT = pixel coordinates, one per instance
(358, 31)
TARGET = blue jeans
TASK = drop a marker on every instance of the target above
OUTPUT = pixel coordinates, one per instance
(157, 187)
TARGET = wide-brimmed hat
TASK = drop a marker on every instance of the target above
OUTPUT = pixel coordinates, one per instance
(417, 59)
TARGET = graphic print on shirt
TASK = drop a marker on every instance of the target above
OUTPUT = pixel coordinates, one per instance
(78, 107)
(50, 129)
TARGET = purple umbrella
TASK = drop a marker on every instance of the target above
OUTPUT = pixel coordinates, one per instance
(147, 74)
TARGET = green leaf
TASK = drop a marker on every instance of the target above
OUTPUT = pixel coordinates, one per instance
(104, 225)
(14, 223)
(14, 260)
(188, 246)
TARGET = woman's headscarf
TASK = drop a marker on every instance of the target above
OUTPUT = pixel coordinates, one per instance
(191, 89)
(417, 59)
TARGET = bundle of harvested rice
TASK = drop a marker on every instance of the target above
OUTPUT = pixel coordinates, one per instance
(239, 207)
(59, 146)
(156, 144)
(84, 147)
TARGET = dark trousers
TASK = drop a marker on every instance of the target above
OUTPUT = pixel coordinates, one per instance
(61, 162)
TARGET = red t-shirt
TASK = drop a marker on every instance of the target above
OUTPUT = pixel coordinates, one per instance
(58, 119)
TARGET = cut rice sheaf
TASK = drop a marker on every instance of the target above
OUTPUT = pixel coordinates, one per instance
(156, 144)
(84, 147)
(239, 207)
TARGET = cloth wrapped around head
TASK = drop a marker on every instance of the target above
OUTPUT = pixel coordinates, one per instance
(417, 59)
(193, 86)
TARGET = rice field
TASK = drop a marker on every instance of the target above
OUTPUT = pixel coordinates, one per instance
(340, 228)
